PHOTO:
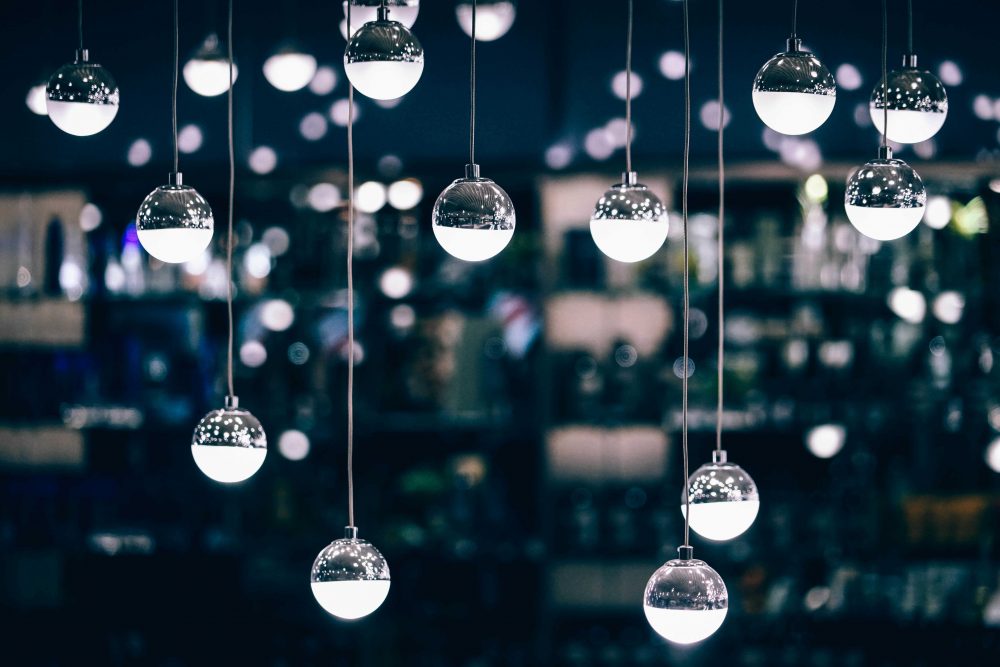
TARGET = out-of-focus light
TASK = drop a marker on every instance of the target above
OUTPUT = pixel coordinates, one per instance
(862, 115)
(993, 455)
(277, 240)
(390, 166)
(340, 112)
(293, 445)
(36, 100)
(139, 153)
(909, 305)
(558, 156)
(114, 276)
(848, 77)
(972, 218)
(263, 160)
(598, 145)
(90, 217)
(289, 69)
(298, 353)
(816, 189)
(617, 130)
(938, 213)
(772, 140)
(72, 279)
(253, 354)
(950, 73)
(257, 260)
(23, 276)
(995, 185)
(207, 72)
(324, 82)
(672, 65)
(277, 315)
(826, 441)
(370, 197)
(619, 85)
(389, 104)
(679, 367)
(948, 307)
(709, 115)
(396, 282)
(925, 149)
(189, 139)
(402, 316)
(801, 153)
(982, 107)
(199, 264)
(405, 194)
(324, 197)
(493, 18)
(313, 126)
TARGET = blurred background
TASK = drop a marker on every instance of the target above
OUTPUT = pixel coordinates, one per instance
(517, 457)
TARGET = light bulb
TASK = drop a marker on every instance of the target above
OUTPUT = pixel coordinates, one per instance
(918, 104)
(885, 198)
(493, 19)
(724, 499)
(629, 223)
(826, 440)
(82, 97)
(207, 72)
(384, 60)
(473, 219)
(290, 68)
(366, 11)
(685, 601)
(794, 93)
(229, 445)
(174, 222)
(350, 578)
(36, 99)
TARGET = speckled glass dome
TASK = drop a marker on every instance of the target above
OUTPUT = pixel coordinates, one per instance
(685, 600)
(350, 577)
(174, 223)
(795, 72)
(473, 218)
(229, 427)
(629, 202)
(885, 199)
(629, 223)
(82, 97)
(794, 93)
(724, 499)
(918, 105)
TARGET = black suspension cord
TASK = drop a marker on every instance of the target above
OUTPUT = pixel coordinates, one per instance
(173, 98)
(350, 293)
(687, 291)
(795, 18)
(232, 197)
(628, 92)
(722, 225)
(79, 21)
(909, 27)
(885, 74)
(472, 91)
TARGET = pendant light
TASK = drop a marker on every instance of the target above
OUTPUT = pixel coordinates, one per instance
(207, 71)
(82, 97)
(229, 445)
(794, 93)
(885, 198)
(366, 11)
(384, 60)
(473, 219)
(723, 498)
(685, 600)
(350, 577)
(918, 101)
(174, 222)
(629, 223)
(290, 67)
(495, 18)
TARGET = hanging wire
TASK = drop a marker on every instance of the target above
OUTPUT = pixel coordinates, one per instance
(173, 97)
(885, 74)
(232, 197)
(687, 290)
(722, 225)
(472, 91)
(350, 292)
(79, 21)
(795, 18)
(628, 92)
(909, 27)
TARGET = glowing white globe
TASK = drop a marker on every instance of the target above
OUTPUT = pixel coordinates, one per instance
(207, 72)
(918, 105)
(175, 223)
(82, 97)
(794, 93)
(290, 69)
(885, 199)
(685, 601)
(629, 223)
(473, 218)
(350, 578)
(384, 60)
(229, 445)
(36, 99)
(724, 499)
(493, 19)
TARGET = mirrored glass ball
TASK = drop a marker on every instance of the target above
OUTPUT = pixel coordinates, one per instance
(918, 106)
(384, 60)
(174, 223)
(686, 601)
(473, 219)
(229, 445)
(82, 98)
(350, 578)
(794, 93)
(885, 199)
(207, 72)
(724, 500)
(629, 223)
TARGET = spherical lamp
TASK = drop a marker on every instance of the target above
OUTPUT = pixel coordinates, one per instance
(794, 93)
(384, 60)
(229, 445)
(350, 578)
(685, 601)
(174, 222)
(885, 198)
(493, 20)
(724, 499)
(82, 97)
(207, 71)
(629, 223)
(473, 219)
(918, 104)
(290, 68)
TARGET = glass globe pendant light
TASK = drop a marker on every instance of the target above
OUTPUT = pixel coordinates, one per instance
(384, 60)
(885, 199)
(794, 93)
(81, 97)
(207, 72)
(229, 445)
(350, 577)
(629, 223)
(495, 18)
(720, 496)
(174, 222)
(918, 101)
(290, 68)
(366, 11)
(473, 219)
(685, 600)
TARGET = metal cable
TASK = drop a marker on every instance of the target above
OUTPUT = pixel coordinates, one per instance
(885, 74)
(909, 27)
(173, 98)
(795, 18)
(722, 226)
(472, 91)
(687, 290)
(628, 92)
(350, 293)
(232, 197)
(79, 22)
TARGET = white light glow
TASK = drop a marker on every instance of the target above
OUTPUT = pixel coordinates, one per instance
(396, 282)
(884, 224)
(709, 115)
(323, 197)
(81, 119)
(90, 217)
(340, 112)
(793, 113)
(36, 99)
(370, 197)
(619, 85)
(672, 65)
(629, 240)
(982, 107)
(598, 145)
(313, 126)
(293, 445)
(938, 213)
(493, 19)
(993, 455)
(558, 156)
(208, 78)
(384, 79)
(909, 305)
(277, 315)
(263, 160)
(139, 153)
(722, 521)
(257, 260)
(189, 139)
(405, 194)
(826, 441)
(324, 81)
(227, 464)
(253, 354)
(472, 245)
(848, 77)
(907, 126)
(948, 307)
(175, 245)
(685, 626)
(290, 71)
(950, 73)
(350, 600)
